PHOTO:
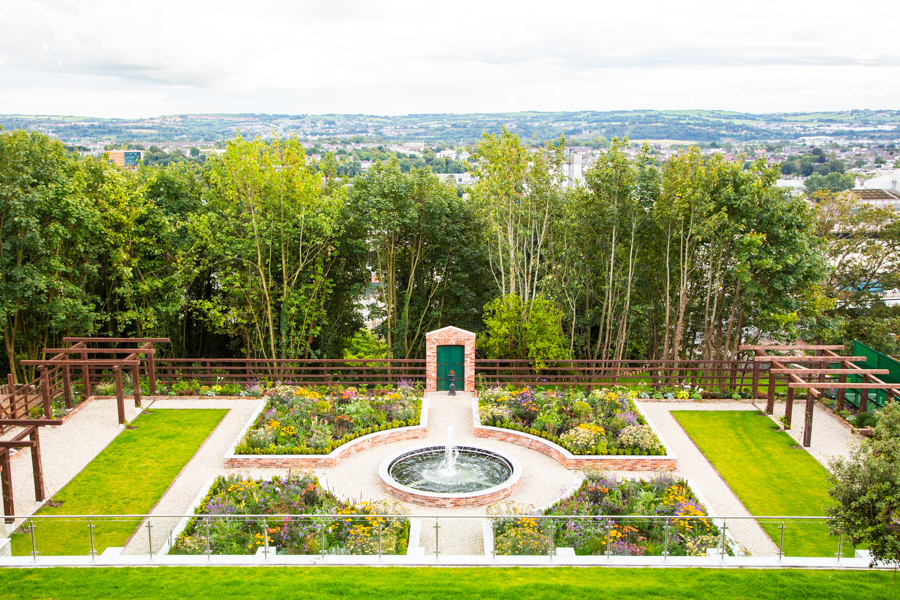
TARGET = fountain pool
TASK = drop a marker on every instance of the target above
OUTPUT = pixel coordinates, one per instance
(449, 476)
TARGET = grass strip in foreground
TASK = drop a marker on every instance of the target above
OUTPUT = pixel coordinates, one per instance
(128, 477)
(768, 474)
(398, 583)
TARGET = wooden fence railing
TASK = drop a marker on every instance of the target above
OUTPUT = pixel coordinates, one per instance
(299, 372)
(719, 375)
(17, 401)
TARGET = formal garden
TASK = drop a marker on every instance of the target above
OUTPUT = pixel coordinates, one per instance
(315, 420)
(299, 497)
(662, 516)
(600, 422)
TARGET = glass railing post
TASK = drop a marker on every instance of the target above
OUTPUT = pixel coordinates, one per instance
(208, 550)
(550, 532)
(437, 553)
(494, 540)
(322, 534)
(34, 552)
(840, 551)
(724, 527)
(666, 540)
(781, 543)
(150, 538)
(380, 527)
(608, 539)
(265, 526)
(93, 548)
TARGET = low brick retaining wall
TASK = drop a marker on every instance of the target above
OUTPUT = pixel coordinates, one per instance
(316, 461)
(667, 462)
(457, 502)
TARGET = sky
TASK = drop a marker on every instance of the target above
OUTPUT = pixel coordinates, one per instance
(105, 58)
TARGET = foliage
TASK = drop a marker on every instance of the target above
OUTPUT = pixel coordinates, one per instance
(298, 420)
(293, 494)
(603, 496)
(592, 423)
(523, 331)
(866, 491)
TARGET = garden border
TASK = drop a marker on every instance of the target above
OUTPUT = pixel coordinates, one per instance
(666, 462)
(320, 461)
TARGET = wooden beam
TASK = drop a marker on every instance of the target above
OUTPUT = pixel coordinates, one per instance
(36, 467)
(847, 386)
(809, 359)
(120, 395)
(807, 429)
(99, 351)
(93, 362)
(30, 422)
(795, 347)
(117, 340)
(16, 444)
(805, 371)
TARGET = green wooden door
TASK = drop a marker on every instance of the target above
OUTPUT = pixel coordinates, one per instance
(451, 358)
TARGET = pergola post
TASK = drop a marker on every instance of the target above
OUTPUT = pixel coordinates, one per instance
(67, 386)
(11, 386)
(770, 401)
(789, 408)
(9, 505)
(120, 395)
(45, 391)
(151, 371)
(85, 375)
(842, 393)
(807, 429)
(136, 380)
(36, 466)
(755, 378)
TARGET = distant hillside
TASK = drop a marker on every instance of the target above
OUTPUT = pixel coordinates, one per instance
(463, 129)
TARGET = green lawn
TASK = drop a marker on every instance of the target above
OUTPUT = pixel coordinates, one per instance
(128, 477)
(400, 583)
(767, 474)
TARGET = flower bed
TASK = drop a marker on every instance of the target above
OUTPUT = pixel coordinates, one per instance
(601, 422)
(295, 494)
(617, 528)
(299, 420)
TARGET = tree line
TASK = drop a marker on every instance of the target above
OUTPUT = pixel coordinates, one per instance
(261, 252)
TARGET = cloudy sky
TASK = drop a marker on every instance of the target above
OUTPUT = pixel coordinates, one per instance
(139, 59)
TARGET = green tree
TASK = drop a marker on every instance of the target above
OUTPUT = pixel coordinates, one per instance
(833, 182)
(516, 330)
(271, 235)
(48, 233)
(866, 490)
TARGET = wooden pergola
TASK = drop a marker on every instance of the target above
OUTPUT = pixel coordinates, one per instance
(125, 360)
(85, 358)
(820, 356)
(26, 438)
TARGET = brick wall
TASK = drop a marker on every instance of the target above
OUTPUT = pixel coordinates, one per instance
(314, 461)
(445, 502)
(449, 336)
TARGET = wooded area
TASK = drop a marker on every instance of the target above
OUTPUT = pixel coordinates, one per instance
(262, 253)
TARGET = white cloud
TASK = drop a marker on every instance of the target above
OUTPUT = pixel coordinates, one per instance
(105, 58)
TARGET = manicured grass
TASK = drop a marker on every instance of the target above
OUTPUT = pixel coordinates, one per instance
(128, 477)
(366, 583)
(767, 474)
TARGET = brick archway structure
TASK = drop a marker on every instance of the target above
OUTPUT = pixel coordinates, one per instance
(449, 336)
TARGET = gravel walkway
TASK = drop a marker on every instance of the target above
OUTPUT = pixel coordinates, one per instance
(707, 481)
(831, 435)
(66, 450)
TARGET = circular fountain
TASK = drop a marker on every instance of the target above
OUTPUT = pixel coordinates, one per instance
(450, 476)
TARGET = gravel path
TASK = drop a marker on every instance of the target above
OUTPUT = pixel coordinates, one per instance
(66, 450)
(707, 481)
(831, 436)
